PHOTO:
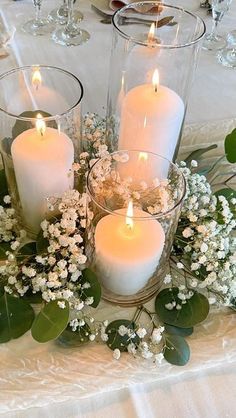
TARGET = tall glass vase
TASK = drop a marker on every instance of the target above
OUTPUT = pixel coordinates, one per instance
(154, 56)
(40, 111)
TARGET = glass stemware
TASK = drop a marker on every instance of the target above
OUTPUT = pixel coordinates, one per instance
(71, 34)
(38, 25)
(213, 41)
(227, 56)
(60, 14)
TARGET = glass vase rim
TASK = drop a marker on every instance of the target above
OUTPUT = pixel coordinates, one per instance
(138, 218)
(163, 46)
(49, 67)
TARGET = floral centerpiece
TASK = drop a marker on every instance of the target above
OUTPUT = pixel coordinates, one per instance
(53, 271)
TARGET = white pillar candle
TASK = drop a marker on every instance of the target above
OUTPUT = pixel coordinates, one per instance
(42, 159)
(151, 119)
(127, 255)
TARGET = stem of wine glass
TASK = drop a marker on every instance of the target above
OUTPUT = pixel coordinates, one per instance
(37, 4)
(70, 12)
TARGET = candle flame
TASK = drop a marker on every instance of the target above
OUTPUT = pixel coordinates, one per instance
(129, 215)
(155, 79)
(151, 33)
(36, 78)
(40, 125)
(143, 156)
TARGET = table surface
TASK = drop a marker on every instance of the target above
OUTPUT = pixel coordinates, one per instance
(46, 380)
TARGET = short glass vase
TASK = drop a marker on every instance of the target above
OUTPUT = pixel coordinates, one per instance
(135, 202)
(40, 125)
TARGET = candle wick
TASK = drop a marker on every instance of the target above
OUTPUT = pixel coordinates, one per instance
(155, 88)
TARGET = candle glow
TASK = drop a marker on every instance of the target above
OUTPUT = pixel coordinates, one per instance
(36, 79)
(155, 79)
(151, 34)
(129, 215)
(40, 125)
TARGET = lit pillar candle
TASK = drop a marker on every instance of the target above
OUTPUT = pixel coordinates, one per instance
(42, 159)
(127, 253)
(34, 94)
(151, 119)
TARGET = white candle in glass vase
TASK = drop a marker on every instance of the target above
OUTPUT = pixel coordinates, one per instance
(127, 252)
(42, 159)
(151, 119)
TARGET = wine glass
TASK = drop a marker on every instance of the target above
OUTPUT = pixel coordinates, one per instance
(6, 35)
(213, 41)
(38, 25)
(71, 34)
(60, 14)
(227, 56)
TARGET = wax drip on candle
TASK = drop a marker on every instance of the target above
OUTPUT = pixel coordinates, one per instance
(36, 78)
(40, 125)
(155, 80)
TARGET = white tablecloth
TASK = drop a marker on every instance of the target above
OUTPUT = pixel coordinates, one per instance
(49, 381)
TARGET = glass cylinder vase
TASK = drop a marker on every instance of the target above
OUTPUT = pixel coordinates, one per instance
(40, 120)
(154, 55)
(135, 203)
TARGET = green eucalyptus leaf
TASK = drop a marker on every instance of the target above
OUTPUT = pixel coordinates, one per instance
(4, 246)
(115, 340)
(3, 283)
(3, 187)
(50, 322)
(76, 338)
(194, 311)
(230, 146)
(228, 193)
(16, 317)
(33, 298)
(41, 243)
(22, 125)
(6, 144)
(95, 288)
(183, 332)
(27, 251)
(177, 350)
(195, 155)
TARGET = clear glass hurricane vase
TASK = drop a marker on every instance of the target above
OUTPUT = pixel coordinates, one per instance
(154, 55)
(136, 198)
(40, 138)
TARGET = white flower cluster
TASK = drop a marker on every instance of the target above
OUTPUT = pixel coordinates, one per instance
(56, 273)
(205, 239)
(148, 347)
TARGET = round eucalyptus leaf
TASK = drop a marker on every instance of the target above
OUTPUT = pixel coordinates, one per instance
(194, 311)
(230, 147)
(88, 276)
(183, 332)
(27, 251)
(3, 187)
(115, 340)
(70, 338)
(33, 298)
(16, 317)
(41, 243)
(4, 246)
(177, 350)
(50, 322)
